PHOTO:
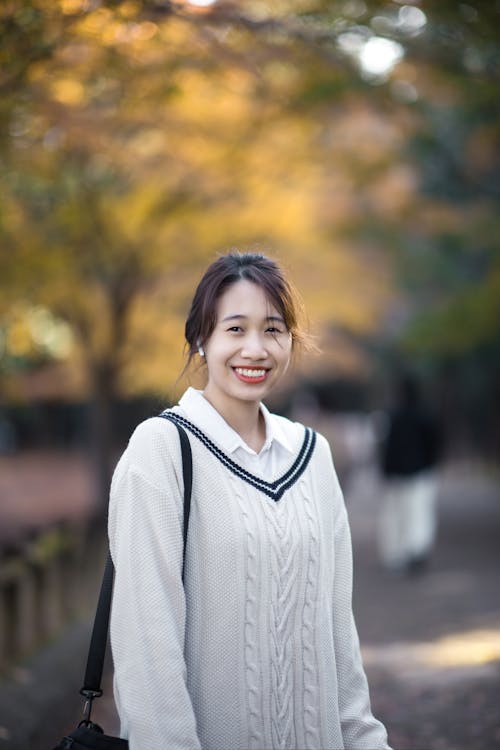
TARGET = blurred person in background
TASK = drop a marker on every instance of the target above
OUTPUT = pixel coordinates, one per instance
(258, 648)
(409, 454)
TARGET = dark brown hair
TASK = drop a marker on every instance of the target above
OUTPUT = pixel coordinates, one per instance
(227, 270)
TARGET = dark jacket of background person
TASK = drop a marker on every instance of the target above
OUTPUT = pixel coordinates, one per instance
(413, 442)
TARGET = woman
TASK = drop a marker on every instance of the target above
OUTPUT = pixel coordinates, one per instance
(258, 649)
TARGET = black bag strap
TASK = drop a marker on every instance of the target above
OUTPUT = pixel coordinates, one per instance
(97, 650)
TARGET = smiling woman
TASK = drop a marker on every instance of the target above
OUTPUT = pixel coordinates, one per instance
(230, 269)
(255, 646)
(246, 354)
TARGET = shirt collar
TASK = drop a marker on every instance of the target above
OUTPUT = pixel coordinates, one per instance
(201, 412)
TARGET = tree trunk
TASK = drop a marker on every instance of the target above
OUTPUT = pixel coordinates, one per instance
(102, 431)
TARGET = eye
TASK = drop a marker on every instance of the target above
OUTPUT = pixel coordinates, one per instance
(235, 329)
(274, 330)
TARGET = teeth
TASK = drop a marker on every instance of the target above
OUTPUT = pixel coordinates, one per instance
(250, 373)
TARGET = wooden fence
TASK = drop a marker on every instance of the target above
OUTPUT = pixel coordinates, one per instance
(47, 581)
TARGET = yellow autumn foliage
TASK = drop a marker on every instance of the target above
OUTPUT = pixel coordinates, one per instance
(162, 149)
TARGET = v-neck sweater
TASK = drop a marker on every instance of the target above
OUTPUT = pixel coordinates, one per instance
(280, 445)
(258, 649)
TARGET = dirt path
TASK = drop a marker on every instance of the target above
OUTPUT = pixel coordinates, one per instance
(431, 643)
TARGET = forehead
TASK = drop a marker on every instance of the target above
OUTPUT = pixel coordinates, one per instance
(245, 298)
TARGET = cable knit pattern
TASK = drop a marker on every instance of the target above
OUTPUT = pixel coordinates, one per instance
(252, 671)
(258, 650)
(283, 548)
(310, 685)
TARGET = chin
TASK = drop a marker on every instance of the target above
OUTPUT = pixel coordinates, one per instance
(252, 392)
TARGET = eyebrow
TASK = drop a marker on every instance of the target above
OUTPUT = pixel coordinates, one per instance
(269, 318)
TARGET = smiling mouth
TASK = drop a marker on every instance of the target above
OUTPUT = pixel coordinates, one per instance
(251, 374)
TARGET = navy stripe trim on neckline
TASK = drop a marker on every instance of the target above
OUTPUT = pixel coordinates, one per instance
(275, 490)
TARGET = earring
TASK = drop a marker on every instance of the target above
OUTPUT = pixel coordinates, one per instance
(200, 351)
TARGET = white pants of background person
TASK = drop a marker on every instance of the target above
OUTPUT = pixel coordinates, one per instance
(408, 520)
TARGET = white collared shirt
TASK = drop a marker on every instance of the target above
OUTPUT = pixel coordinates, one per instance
(280, 447)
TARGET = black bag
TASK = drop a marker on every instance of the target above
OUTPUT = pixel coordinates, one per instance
(88, 735)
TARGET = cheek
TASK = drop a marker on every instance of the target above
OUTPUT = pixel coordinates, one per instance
(217, 352)
(285, 355)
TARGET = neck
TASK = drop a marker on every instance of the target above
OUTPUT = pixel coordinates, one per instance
(245, 418)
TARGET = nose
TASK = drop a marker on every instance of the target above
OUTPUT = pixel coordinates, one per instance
(254, 347)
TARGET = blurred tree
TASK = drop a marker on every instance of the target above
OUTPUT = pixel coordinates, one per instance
(118, 168)
(445, 239)
(137, 138)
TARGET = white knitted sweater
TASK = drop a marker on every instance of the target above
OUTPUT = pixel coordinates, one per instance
(258, 650)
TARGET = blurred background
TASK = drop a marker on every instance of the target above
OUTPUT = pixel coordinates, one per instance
(358, 143)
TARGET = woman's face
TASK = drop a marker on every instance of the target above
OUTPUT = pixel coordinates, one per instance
(249, 349)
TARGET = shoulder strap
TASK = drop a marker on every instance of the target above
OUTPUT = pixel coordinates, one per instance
(97, 649)
(187, 478)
